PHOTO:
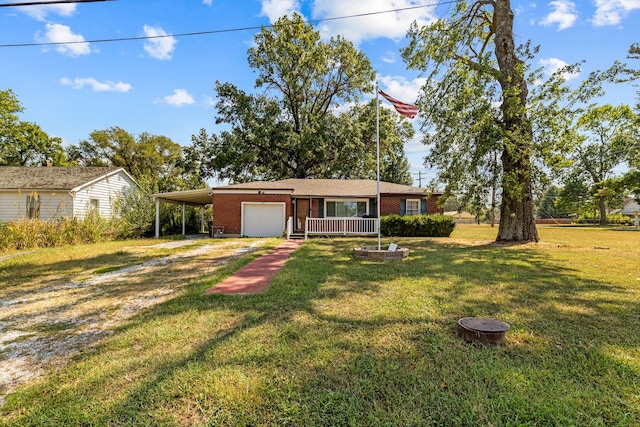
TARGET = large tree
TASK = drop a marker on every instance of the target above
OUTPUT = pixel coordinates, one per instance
(606, 138)
(154, 160)
(472, 64)
(24, 143)
(292, 128)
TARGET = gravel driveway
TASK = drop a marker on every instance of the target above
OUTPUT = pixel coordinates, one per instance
(45, 325)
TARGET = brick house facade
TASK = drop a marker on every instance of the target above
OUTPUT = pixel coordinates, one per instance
(262, 208)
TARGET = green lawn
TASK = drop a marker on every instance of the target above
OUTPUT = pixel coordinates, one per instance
(336, 341)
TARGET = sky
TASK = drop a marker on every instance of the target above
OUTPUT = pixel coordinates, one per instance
(165, 86)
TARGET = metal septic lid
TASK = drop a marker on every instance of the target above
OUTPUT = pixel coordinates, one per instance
(481, 324)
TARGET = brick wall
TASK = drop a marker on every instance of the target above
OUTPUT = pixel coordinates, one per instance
(432, 205)
(227, 208)
(391, 204)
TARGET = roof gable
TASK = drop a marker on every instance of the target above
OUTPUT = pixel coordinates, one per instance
(51, 178)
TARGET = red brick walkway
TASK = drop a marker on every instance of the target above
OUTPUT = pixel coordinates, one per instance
(255, 277)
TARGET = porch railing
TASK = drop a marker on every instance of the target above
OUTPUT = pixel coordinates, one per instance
(289, 227)
(340, 226)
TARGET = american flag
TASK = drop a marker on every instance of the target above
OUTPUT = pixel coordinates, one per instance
(407, 110)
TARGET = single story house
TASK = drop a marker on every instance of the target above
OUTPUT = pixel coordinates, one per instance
(630, 207)
(290, 206)
(49, 192)
(259, 209)
(463, 217)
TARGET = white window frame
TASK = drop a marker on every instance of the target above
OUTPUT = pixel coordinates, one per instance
(327, 201)
(413, 210)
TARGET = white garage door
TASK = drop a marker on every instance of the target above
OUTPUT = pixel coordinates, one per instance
(263, 219)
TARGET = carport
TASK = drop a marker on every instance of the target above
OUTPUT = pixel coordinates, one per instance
(202, 198)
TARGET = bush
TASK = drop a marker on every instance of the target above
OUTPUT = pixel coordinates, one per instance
(135, 213)
(417, 225)
(613, 219)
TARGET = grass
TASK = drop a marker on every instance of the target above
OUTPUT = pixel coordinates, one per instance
(335, 341)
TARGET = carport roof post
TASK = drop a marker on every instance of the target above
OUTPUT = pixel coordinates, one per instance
(202, 197)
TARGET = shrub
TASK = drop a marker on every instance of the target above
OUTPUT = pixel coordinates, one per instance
(417, 225)
(135, 213)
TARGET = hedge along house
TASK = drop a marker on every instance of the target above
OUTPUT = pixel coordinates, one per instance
(314, 206)
(55, 192)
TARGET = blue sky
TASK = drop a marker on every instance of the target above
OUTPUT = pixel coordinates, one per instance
(165, 86)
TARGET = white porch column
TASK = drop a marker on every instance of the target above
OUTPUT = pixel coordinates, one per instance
(157, 218)
(202, 219)
(183, 216)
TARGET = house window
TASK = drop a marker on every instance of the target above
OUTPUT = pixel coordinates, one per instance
(413, 206)
(33, 206)
(346, 208)
(94, 204)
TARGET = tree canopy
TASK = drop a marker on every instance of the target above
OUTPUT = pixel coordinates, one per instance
(154, 160)
(293, 129)
(24, 143)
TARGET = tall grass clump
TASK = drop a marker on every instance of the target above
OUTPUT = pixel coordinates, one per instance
(37, 233)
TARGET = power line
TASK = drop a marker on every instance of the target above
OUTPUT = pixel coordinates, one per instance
(44, 3)
(229, 30)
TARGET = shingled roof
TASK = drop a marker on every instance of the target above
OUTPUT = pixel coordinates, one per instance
(328, 187)
(50, 178)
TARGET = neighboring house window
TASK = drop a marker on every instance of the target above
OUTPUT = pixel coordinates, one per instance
(346, 208)
(33, 206)
(413, 206)
(94, 204)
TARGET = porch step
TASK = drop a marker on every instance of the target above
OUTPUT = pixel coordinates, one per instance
(296, 236)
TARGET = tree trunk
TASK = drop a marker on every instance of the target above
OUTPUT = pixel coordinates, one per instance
(517, 219)
(602, 205)
(494, 183)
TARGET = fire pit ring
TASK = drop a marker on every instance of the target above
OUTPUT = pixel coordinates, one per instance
(371, 253)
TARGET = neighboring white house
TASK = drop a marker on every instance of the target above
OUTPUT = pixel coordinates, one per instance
(56, 192)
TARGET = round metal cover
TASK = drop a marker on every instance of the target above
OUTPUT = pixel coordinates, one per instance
(483, 325)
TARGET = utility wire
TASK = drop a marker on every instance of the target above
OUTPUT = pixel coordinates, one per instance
(229, 30)
(44, 3)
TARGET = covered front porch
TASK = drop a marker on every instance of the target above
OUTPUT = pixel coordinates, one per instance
(332, 217)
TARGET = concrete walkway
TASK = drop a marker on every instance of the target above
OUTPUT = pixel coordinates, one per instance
(256, 276)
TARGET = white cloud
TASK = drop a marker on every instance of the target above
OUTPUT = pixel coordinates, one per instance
(207, 2)
(389, 57)
(106, 86)
(209, 102)
(402, 89)
(160, 47)
(551, 65)
(564, 14)
(393, 25)
(611, 12)
(40, 12)
(58, 33)
(274, 9)
(415, 146)
(179, 98)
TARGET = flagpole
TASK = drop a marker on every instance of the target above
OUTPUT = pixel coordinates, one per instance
(378, 162)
